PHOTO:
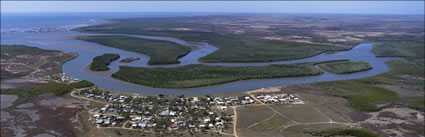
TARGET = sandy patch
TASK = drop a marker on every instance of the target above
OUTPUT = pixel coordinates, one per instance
(266, 90)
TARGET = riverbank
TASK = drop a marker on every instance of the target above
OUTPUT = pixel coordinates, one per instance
(21, 65)
(345, 67)
(160, 52)
(191, 76)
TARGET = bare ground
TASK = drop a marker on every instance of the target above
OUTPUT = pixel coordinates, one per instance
(43, 115)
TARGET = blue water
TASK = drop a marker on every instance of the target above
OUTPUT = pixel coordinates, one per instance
(63, 19)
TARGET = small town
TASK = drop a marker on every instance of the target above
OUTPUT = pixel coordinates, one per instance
(167, 113)
(60, 78)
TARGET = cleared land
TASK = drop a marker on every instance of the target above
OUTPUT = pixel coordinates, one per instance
(21, 60)
(38, 104)
(278, 120)
(160, 52)
(42, 112)
(305, 113)
(203, 75)
(248, 116)
(100, 63)
(345, 67)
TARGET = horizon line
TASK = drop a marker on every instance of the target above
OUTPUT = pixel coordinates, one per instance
(208, 12)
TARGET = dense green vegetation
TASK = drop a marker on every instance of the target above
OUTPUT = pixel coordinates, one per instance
(232, 48)
(399, 50)
(244, 49)
(366, 91)
(203, 75)
(343, 132)
(417, 103)
(160, 52)
(345, 67)
(8, 51)
(81, 84)
(100, 63)
(59, 89)
(398, 38)
(411, 51)
(128, 60)
(25, 94)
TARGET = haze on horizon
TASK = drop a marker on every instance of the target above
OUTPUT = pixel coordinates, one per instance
(341, 7)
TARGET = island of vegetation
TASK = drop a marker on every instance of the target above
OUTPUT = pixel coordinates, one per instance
(130, 59)
(202, 75)
(345, 67)
(160, 52)
(411, 51)
(232, 47)
(100, 63)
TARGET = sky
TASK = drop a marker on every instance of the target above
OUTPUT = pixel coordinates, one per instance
(342, 7)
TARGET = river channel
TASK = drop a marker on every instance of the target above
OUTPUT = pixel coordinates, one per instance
(78, 67)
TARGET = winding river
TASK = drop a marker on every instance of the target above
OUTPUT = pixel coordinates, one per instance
(78, 67)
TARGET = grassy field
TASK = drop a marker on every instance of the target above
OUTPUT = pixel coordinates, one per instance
(301, 113)
(203, 75)
(248, 116)
(263, 121)
(345, 67)
(81, 84)
(232, 48)
(160, 52)
(272, 124)
(100, 63)
(367, 93)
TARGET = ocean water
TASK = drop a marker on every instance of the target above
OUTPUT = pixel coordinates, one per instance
(56, 21)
